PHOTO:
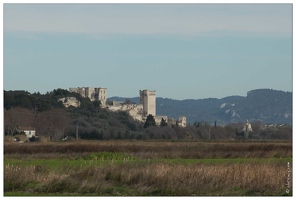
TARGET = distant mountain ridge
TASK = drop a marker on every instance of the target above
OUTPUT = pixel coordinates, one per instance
(265, 105)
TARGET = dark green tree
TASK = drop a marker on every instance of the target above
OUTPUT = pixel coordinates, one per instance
(8, 100)
(96, 103)
(150, 121)
(60, 92)
(127, 101)
(163, 122)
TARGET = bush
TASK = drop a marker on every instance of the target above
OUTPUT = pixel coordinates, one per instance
(34, 139)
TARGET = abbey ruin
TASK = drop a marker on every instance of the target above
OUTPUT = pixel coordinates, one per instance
(93, 94)
(139, 112)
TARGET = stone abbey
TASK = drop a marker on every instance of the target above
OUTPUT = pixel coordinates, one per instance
(92, 93)
(139, 112)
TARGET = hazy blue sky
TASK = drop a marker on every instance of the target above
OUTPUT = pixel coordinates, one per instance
(183, 51)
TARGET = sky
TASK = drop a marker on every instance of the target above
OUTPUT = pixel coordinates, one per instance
(183, 51)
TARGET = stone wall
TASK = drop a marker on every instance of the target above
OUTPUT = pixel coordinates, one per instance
(134, 110)
(182, 121)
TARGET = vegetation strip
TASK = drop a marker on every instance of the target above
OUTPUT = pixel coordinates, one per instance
(134, 168)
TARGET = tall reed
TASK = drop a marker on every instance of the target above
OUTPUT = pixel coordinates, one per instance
(151, 179)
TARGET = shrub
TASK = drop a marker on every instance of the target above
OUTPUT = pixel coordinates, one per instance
(34, 139)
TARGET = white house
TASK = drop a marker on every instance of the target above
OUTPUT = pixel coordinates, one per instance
(29, 131)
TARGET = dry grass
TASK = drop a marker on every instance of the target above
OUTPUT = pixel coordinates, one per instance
(149, 177)
(157, 149)
(8, 139)
(152, 179)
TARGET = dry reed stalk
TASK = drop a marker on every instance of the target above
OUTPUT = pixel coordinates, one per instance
(185, 179)
(162, 178)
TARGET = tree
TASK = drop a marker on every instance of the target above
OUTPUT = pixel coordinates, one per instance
(96, 103)
(8, 100)
(197, 124)
(60, 92)
(127, 101)
(163, 122)
(16, 117)
(52, 123)
(150, 121)
(240, 135)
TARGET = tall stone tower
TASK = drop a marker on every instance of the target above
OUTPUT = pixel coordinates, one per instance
(148, 100)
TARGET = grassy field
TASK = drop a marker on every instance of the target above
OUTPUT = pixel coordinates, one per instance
(148, 168)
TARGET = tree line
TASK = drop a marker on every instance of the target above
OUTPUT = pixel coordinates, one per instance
(51, 119)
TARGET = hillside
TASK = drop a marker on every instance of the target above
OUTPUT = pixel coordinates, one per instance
(52, 120)
(265, 105)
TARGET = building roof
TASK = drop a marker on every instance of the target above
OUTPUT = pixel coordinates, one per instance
(24, 128)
